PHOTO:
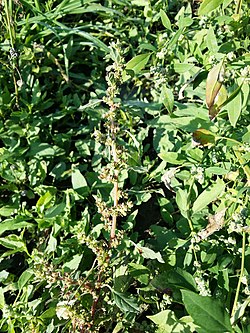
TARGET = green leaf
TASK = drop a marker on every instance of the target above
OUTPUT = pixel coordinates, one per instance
(55, 210)
(165, 20)
(149, 254)
(2, 300)
(14, 242)
(45, 199)
(207, 313)
(174, 278)
(210, 194)
(24, 278)
(208, 5)
(79, 183)
(137, 63)
(234, 108)
(211, 41)
(124, 302)
(74, 263)
(182, 200)
(49, 313)
(167, 98)
(11, 224)
(139, 272)
(172, 157)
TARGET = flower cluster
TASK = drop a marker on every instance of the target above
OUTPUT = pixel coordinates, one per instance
(198, 173)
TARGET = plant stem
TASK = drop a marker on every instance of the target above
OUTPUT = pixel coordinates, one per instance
(243, 164)
(241, 275)
(116, 188)
(238, 7)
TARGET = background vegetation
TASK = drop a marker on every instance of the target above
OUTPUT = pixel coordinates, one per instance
(125, 142)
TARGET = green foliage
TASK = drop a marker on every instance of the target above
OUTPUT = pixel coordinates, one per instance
(124, 166)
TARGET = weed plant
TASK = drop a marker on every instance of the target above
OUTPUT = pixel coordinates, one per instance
(124, 166)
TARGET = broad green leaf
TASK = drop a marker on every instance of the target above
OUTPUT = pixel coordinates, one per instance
(137, 63)
(234, 108)
(79, 183)
(139, 272)
(55, 210)
(49, 313)
(172, 157)
(208, 313)
(45, 199)
(211, 41)
(52, 244)
(124, 302)
(167, 98)
(216, 171)
(182, 200)
(149, 254)
(74, 263)
(210, 194)
(174, 278)
(208, 5)
(24, 278)
(118, 327)
(165, 20)
(140, 2)
(167, 322)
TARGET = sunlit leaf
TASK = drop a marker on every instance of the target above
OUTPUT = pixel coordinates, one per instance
(207, 313)
(210, 194)
(208, 5)
(137, 63)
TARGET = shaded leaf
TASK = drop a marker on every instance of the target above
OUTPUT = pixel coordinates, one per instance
(79, 183)
(124, 302)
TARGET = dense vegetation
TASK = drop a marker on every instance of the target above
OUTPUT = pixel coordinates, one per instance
(125, 142)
